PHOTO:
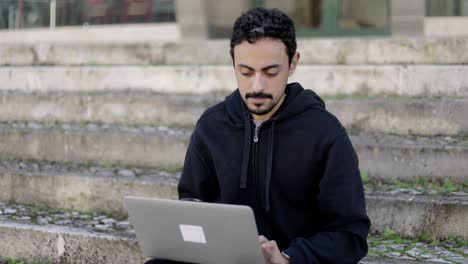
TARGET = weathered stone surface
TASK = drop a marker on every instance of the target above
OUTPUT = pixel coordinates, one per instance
(389, 158)
(383, 157)
(403, 116)
(446, 26)
(163, 148)
(409, 213)
(384, 51)
(63, 249)
(313, 51)
(419, 80)
(180, 79)
(211, 52)
(415, 215)
(112, 108)
(79, 192)
(65, 245)
(103, 34)
(81, 54)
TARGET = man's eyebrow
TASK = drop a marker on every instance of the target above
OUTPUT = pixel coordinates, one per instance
(263, 69)
(245, 66)
(270, 67)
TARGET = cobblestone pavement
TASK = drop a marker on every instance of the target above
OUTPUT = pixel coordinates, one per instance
(421, 187)
(450, 251)
(92, 221)
(94, 127)
(103, 170)
(387, 245)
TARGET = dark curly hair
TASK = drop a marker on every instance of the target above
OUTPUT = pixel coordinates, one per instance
(261, 22)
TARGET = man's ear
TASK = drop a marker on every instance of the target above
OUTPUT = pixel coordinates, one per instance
(231, 54)
(294, 62)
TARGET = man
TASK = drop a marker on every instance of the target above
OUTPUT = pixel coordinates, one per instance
(273, 146)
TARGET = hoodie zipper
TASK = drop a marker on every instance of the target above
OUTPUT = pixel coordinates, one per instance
(257, 129)
(256, 174)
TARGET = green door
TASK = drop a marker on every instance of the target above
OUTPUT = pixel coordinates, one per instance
(335, 18)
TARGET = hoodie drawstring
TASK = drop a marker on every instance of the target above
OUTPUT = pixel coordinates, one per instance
(246, 153)
(271, 141)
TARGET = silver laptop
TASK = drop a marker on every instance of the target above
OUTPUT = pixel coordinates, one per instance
(194, 232)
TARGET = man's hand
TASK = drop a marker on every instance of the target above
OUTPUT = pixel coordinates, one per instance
(271, 252)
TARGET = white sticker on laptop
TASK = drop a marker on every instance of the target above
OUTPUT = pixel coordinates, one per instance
(191, 233)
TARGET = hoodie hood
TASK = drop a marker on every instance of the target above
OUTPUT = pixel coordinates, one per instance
(296, 102)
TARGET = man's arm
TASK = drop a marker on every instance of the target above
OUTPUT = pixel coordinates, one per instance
(198, 180)
(343, 222)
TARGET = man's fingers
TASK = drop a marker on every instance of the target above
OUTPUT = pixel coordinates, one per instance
(262, 239)
(269, 248)
(271, 252)
(269, 244)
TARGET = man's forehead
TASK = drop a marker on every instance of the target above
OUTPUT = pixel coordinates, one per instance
(261, 43)
(262, 53)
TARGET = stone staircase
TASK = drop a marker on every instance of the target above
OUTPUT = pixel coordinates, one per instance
(82, 125)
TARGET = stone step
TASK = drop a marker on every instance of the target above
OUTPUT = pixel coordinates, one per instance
(417, 215)
(105, 144)
(439, 214)
(389, 158)
(124, 108)
(313, 51)
(326, 80)
(62, 236)
(382, 157)
(66, 245)
(82, 186)
(102, 188)
(402, 116)
(99, 34)
(396, 115)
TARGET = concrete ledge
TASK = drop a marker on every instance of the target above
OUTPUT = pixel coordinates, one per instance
(384, 51)
(385, 158)
(326, 80)
(121, 33)
(416, 215)
(445, 26)
(403, 116)
(144, 51)
(155, 148)
(66, 245)
(403, 159)
(79, 192)
(126, 108)
(437, 216)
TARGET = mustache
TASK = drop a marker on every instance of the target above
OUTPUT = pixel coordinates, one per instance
(258, 95)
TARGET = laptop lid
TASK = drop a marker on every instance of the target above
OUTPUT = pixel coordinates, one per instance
(194, 232)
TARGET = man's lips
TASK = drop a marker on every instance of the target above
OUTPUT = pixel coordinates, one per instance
(257, 100)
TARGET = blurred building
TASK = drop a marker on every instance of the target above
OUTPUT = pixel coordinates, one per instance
(174, 19)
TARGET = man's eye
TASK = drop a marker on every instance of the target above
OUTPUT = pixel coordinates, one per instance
(271, 74)
(246, 73)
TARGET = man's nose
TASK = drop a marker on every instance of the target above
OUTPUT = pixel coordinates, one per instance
(258, 84)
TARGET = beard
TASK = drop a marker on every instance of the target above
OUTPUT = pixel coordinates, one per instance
(262, 108)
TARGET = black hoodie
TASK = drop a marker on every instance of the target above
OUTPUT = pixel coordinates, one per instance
(298, 172)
